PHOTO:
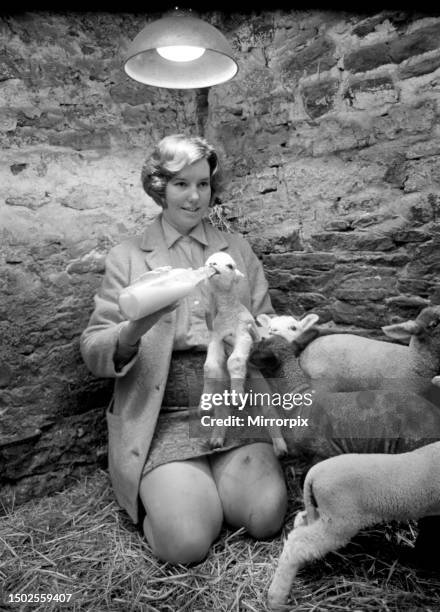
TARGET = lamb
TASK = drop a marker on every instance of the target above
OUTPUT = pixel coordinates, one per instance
(232, 322)
(347, 362)
(347, 493)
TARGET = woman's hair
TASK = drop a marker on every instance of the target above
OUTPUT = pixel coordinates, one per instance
(172, 154)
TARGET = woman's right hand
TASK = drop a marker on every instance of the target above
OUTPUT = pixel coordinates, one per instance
(134, 330)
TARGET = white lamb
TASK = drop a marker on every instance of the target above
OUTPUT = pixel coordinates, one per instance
(347, 493)
(348, 362)
(232, 323)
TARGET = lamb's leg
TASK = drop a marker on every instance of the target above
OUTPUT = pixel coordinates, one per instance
(304, 544)
(260, 385)
(215, 377)
(237, 360)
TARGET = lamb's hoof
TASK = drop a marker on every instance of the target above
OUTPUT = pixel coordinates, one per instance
(216, 442)
(279, 447)
(275, 602)
(300, 519)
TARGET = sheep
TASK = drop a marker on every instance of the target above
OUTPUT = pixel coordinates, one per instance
(347, 362)
(347, 493)
(234, 323)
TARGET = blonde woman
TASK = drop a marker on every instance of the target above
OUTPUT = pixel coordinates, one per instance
(179, 488)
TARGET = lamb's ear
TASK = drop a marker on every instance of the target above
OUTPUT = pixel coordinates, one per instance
(436, 381)
(402, 331)
(208, 319)
(308, 321)
(263, 319)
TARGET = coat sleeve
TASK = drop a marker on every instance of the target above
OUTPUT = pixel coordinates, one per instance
(99, 340)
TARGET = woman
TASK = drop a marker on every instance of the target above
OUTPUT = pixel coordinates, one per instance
(179, 487)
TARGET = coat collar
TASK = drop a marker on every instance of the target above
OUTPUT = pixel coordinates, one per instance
(157, 254)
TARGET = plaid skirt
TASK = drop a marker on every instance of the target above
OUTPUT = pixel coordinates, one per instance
(178, 435)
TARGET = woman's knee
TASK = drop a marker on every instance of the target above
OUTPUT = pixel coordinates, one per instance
(266, 516)
(183, 510)
(184, 542)
(252, 489)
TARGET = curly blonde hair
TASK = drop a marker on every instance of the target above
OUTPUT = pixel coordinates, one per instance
(172, 154)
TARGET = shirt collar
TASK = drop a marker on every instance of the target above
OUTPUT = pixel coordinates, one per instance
(172, 235)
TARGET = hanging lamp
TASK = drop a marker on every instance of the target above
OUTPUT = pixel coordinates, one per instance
(180, 51)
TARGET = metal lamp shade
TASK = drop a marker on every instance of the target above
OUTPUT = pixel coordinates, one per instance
(143, 63)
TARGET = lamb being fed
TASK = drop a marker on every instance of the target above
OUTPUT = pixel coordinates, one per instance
(348, 362)
(347, 493)
(232, 322)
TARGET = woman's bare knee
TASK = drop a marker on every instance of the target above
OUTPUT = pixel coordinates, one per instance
(252, 489)
(183, 545)
(179, 527)
(266, 519)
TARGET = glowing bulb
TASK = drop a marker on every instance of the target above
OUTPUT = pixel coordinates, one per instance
(181, 53)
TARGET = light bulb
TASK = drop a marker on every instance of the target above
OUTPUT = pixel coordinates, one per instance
(181, 53)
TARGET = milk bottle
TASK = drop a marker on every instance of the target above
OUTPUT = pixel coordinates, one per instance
(158, 288)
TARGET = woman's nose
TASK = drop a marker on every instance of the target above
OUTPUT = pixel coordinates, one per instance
(194, 195)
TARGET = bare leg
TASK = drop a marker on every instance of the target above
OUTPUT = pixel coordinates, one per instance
(252, 489)
(183, 510)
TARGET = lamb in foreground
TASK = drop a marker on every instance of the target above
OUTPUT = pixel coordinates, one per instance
(347, 493)
(348, 362)
(233, 323)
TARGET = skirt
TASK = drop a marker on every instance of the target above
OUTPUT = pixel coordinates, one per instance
(178, 435)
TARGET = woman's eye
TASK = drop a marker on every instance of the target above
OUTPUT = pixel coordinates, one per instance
(204, 184)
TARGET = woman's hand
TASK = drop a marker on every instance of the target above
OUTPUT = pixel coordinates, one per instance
(134, 330)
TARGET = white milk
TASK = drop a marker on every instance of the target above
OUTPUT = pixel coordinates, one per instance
(157, 289)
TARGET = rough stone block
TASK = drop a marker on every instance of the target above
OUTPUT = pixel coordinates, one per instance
(353, 241)
(419, 41)
(27, 466)
(132, 93)
(27, 200)
(298, 262)
(367, 58)
(403, 120)
(422, 174)
(410, 235)
(366, 258)
(314, 58)
(362, 287)
(426, 260)
(319, 98)
(369, 25)
(416, 67)
(81, 140)
(371, 94)
(394, 51)
(8, 120)
(370, 316)
(414, 286)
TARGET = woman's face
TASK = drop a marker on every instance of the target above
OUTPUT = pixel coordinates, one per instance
(187, 196)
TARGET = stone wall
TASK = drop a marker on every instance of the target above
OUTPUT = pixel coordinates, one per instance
(331, 139)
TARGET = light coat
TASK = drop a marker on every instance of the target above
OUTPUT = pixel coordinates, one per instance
(140, 384)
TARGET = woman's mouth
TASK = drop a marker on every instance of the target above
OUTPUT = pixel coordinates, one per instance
(190, 209)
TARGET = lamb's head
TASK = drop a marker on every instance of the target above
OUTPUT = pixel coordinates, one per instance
(226, 272)
(286, 326)
(425, 328)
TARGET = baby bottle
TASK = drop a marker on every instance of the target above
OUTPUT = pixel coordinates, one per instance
(159, 288)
